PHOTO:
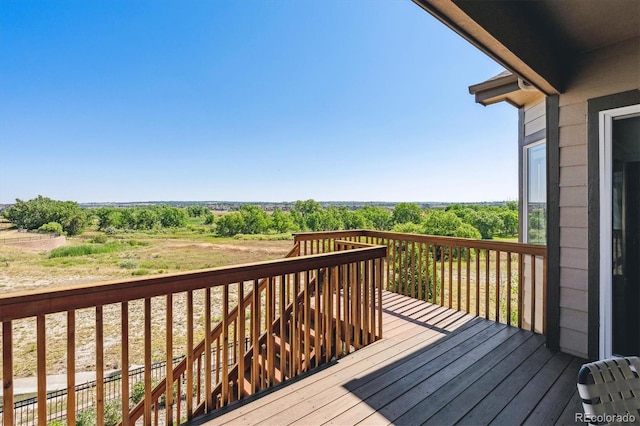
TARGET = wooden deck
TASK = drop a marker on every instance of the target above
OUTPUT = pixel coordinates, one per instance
(434, 366)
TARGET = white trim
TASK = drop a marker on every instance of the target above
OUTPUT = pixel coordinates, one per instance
(605, 119)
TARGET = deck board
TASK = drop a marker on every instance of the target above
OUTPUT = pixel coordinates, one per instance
(433, 366)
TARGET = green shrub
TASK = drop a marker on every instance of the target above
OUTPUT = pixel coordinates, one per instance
(137, 394)
(86, 417)
(99, 239)
(140, 272)
(128, 264)
(112, 412)
(83, 250)
(51, 228)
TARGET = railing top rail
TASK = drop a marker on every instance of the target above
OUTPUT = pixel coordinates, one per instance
(39, 302)
(309, 236)
(506, 246)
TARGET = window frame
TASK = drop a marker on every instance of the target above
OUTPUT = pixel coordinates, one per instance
(525, 193)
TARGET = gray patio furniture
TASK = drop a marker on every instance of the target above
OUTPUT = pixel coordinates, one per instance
(610, 391)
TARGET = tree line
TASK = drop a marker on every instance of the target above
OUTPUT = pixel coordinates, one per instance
(457, 220)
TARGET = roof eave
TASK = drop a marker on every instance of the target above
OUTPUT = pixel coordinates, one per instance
(545, 78)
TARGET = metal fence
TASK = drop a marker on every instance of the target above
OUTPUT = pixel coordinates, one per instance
(25, 410)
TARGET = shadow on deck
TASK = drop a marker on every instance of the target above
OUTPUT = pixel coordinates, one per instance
(433, 366)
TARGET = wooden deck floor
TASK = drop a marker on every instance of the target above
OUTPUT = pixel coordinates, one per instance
(434, 366)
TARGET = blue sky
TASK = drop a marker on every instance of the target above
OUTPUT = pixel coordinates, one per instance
(246, 100)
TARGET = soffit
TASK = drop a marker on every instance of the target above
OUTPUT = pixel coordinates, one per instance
(541, 41)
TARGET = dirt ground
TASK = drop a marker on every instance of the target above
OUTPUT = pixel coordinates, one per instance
(30, 268)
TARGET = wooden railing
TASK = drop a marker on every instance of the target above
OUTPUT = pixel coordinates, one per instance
(502, 281)
(307, 310)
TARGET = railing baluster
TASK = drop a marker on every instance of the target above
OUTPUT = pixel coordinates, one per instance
(450, 264)
(419, 274)
(169, 368)
(7, 372)
(124, 361)
(442, 280)
(338, 316)
(520, 289)
(147, 361)
(242, 325)
(282, 305)
(365, 303)
(190, 349)
(478, 253)
(317, 323)
(307, 320)
(468, 278)
(41, 349)
(100, 364)
(487, 283)
(327, 290)
(208, 397)
(436, 287)
(391, 265)
(459, 277)
(371, 284)
(544, 294)
(225, 343)
(255, 333)
(509, 288)
(71, 367)
(533, 293)
(346, 296)
(269, 325)
(413, 269)
(498, 262)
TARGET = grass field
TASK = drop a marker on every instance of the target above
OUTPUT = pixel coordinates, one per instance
(98, 257)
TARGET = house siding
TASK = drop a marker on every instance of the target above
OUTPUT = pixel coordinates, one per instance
(534, 115)
(604, 71)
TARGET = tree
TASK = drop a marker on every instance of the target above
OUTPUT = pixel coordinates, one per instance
(255, 220)
(307, 207)
(282, 222)
(380, 218)
(109, 216)
(488, 223)
(448, 224)
(355, 219)
(510, 221)
(32, 214)
(197, 211)
(209, 219)
(145, 218)
(230, 224)
(302, 212)
(172, 217)
(407, 212)
(325, 220)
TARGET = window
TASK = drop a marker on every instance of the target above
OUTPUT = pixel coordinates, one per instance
(535, 202)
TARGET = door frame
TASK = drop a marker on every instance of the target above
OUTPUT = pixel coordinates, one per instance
(605, 145)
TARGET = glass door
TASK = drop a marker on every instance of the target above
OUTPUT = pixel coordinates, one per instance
(626, 235)
(619, 177)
